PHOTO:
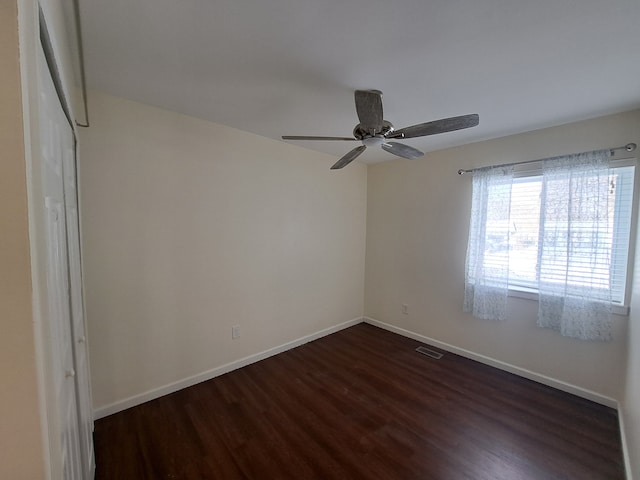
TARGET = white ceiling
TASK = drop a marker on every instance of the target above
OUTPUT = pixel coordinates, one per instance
(289, 67)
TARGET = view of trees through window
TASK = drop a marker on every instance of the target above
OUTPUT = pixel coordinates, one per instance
(514, 230)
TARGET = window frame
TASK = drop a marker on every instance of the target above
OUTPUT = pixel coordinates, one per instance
(535, 170)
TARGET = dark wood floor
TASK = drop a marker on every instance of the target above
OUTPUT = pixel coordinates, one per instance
(362, 404)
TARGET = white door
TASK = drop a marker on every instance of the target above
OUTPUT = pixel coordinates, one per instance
(83, 389)
(56, 139)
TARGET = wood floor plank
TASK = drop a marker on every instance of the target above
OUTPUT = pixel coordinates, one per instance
(362, 404)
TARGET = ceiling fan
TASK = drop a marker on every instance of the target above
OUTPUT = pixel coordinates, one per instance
(373, 130)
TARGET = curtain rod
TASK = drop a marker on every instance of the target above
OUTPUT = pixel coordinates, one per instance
(629, 147)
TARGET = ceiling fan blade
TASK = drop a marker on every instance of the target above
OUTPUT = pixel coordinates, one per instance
(308, 137)
(369, 108)
(401, 150)
(437, 126)
(349, 157)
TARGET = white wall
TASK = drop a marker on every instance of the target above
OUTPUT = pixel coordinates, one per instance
(630, 404)
(417, 225)
(192, 227)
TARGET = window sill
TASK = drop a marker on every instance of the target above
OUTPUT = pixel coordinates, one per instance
(531, 294)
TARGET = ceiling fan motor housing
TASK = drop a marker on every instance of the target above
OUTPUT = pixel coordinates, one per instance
(361, 133)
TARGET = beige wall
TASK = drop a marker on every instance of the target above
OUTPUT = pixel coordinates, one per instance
(190, 228)
(417, 225)
(20, 428)
(630, 404)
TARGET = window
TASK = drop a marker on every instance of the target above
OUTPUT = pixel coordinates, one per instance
(562, 235)
(515, 233)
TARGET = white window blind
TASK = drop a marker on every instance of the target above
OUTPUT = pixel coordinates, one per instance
(623, 182)
(512, 235)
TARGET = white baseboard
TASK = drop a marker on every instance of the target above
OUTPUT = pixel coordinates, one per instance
(134, 400)
(625, 445)
(522, 372)
(152, 394)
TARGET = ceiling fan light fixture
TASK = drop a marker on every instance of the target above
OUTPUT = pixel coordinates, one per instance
(375, 141)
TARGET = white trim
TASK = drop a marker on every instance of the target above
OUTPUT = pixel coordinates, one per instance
(152, 394)
(120, 405)
(228, 367)
(532, 294)
(522, 372)
(625, 445)
(28, 44)
(535, 169)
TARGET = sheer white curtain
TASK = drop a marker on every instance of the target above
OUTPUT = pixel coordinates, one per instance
(487, 264)
(575, 243)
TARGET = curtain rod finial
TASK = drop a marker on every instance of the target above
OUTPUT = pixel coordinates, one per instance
(461, 172)
(630, 147)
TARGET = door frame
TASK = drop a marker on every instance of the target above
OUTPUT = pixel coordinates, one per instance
(34, 17)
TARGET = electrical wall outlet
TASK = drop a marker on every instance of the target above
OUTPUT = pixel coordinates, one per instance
(405, 309)
(235, 331)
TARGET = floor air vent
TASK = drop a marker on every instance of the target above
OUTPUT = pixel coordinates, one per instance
(429, 353)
